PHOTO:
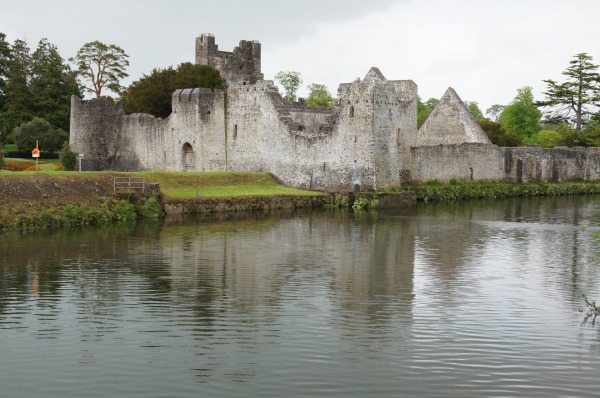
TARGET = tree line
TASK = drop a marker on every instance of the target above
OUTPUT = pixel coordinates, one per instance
(569, 115)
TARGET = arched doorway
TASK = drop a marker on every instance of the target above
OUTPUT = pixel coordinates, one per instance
(188, 157)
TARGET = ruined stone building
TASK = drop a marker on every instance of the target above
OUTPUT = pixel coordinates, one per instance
(369, 140)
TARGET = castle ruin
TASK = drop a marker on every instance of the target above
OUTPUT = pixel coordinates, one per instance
(369, 140)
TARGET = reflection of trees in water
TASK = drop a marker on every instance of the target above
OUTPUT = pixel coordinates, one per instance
(541, 235)
(249, 263)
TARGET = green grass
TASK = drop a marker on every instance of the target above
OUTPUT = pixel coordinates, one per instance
(28, 165)
(181, 185)
(439, 192)
(184, 185)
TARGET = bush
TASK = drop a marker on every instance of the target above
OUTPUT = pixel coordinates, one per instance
(68, 158)
(50, 139)
(1, 157)
(498, 135)
(549, 138)
(149, 208)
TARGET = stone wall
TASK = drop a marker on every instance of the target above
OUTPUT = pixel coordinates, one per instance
(531, 164)
(95, 129)
(474, 161)
(468, 161)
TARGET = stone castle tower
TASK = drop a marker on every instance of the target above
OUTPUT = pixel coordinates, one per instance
(241, 66)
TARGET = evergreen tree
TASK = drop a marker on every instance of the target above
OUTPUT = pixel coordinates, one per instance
(52, 84)
(4, 62)
(101, 66)
(577, 98)
(18, 105)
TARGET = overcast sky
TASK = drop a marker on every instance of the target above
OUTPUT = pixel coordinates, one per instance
(484, 49)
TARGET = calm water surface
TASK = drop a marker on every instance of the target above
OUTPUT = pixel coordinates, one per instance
(456, 300)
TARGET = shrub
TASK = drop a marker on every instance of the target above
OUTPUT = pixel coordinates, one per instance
(149, 208)
(68, 158)
(549, 138)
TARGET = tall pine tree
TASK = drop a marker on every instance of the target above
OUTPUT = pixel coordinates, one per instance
(578, 97)
(18, 107)
(52, 84)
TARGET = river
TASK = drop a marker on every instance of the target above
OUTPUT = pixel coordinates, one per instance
(473, 299)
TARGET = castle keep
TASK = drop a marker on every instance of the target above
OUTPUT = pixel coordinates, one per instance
(368, 141)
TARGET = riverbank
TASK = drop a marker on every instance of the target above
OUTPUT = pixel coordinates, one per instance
(435, 191)
(30, 200)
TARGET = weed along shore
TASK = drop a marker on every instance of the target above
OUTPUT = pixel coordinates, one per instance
(37, 200)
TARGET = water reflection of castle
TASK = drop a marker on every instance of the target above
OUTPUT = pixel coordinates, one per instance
(372, 261)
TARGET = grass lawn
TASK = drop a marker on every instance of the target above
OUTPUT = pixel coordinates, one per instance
(14, 164)
(181, 185)
(219, 184)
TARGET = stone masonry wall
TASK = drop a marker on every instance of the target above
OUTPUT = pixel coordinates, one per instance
(95, 129)
(531, 164)
(263, 136)
(469, 162)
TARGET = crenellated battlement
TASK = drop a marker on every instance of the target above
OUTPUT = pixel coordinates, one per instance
(238, 67)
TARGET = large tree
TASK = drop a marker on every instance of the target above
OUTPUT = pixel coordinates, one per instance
(319, 97)
(152, 93)
(521, 116)
(101, 66)
(18, 107)
(52, 84)
(4, 63)
(291, 82)
(39, 131)
(578, 97)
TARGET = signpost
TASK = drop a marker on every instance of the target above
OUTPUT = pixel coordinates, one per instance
(81, 157)
(36, 154)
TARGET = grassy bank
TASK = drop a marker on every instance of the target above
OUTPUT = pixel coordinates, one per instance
(30, 200)
(111, 210)
(14, 164)
(184, 185)
(435, 191)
